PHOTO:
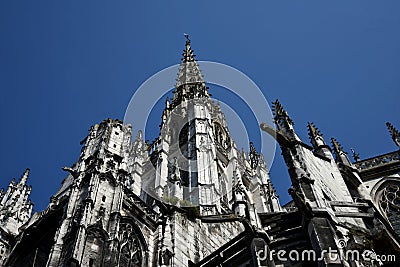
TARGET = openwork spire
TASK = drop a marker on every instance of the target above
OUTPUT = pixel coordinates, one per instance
(394, 133)
(190, 83)
(189, 71)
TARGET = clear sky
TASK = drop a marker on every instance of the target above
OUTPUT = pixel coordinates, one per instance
(65, 65)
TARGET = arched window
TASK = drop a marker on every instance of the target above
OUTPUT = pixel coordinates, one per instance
(130, 249)
(389, 202)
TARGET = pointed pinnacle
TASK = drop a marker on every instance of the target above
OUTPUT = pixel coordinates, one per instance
(356, 156)
(189, 71)
(279, 111)
(24, 177)
(337, 148)
(188, 55)
(394, 133)
(252, 148)
(139, 135)
(336, 145)
(313, 131)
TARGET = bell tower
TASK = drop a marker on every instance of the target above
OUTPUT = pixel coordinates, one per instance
(191, 133)
(196, 161)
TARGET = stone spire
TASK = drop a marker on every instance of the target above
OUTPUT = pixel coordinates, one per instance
(239, 205)
(15, 205)
(318, 141)
(315, 135)
(24, 177)
(190, 82)
(394, 133)
(254, 156)
(272, 195)
(341, 156)
(283, 121)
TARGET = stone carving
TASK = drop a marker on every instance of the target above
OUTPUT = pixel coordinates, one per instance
(378, 161)
(130, 250)
(394, 133)
(389, 202)
(175, 175)
(356, 156)
(254, 156)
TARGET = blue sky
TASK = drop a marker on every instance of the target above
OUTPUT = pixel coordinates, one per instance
(65, 65)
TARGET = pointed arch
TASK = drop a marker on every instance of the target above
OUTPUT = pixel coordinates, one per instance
(96, 239)
(386, 196)
(131, 244)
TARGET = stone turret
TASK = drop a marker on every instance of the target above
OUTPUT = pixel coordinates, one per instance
(15, 211)
(15, 205)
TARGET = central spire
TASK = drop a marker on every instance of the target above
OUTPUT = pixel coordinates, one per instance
(190, 82)
(188, 55)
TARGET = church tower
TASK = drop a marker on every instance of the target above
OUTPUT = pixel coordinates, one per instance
(15, 211)
(198, 162)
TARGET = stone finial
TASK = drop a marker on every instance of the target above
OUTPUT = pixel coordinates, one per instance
(337, 147)
(283, 122)
(254, 156)
(188, 55)
(394, 133)
(315, 135)
(24, 177)
(356, 156)
(313, 131)
(341, 155)
(280, 112)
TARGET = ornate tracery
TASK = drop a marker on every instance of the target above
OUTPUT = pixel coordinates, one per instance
(130, 252)
(389, 202)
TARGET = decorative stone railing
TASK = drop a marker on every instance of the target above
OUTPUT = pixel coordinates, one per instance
(378, 161)
(154, 146)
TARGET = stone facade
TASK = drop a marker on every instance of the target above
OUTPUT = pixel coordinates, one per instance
(191, 198)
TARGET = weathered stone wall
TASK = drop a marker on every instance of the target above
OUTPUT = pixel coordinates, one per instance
(193, 240)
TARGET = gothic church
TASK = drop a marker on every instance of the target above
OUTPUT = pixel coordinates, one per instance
(192, 198)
